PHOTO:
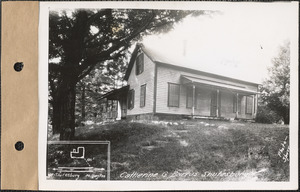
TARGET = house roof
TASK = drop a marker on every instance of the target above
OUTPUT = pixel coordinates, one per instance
(131, 62)
(184, 62)
(194, 80)
(116, 94)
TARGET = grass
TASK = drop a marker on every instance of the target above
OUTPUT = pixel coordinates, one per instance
(193, 150)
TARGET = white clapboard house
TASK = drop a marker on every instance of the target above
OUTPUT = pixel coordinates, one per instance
(159, 88)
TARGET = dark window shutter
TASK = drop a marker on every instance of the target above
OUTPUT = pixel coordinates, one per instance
(140, 64)
(130, 99)
(143, 96)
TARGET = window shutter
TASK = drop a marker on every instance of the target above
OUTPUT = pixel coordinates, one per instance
(129, 100)
(140, 64)
(132, 99)
(143, 96)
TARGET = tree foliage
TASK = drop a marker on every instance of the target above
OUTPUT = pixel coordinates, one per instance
(276, 89)
(90, 89)
(266, 115)
(82, 39)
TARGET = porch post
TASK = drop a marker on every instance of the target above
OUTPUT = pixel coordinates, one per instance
(218, 103)
(237, 106)
(253, 106)
(193, 101)
(256, 101)
(119, 111)
(106, 116)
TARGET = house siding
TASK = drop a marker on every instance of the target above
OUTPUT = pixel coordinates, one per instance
(166, 74)
(136, 81)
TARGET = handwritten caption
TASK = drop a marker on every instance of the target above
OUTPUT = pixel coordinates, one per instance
(174, 174)
(77, 176)
(284, 151)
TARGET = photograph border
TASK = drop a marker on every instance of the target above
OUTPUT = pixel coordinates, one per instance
(45, 184)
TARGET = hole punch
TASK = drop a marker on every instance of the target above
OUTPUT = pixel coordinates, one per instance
(19, 146)
(18, 66)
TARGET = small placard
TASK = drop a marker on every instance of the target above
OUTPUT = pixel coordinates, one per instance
(78, 160)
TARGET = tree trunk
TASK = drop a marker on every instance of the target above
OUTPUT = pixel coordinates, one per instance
(286, 117)
(83, 105)
(67, 130)
(56, 116)
(64, 111)
(286, 120)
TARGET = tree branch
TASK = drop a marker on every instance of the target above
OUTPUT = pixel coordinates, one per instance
(106, 55)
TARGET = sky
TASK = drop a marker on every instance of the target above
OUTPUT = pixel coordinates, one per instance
(237, 42)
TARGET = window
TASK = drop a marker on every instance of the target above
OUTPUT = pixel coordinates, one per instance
(189, 98)
(143, 96)
(249, 104)
(140, 64)
(130, 102)
(173, 95)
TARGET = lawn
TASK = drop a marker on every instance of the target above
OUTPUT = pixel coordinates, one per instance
(200, 150)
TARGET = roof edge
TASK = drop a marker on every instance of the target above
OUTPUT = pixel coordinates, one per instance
(113, 91)
(131, 62)
(207, 73)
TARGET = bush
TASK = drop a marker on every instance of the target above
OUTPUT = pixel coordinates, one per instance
(265, 115)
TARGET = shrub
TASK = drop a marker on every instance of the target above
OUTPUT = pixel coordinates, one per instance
(265, 115)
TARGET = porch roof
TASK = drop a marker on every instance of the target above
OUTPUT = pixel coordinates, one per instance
(215, 84)
(116, 94)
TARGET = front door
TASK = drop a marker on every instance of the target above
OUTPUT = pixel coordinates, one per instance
(213, 104)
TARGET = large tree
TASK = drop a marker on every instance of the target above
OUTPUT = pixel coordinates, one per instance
(83, 38)
(276, 89)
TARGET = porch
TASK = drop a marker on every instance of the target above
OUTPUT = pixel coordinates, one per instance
(115, 104)
(214, 99)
